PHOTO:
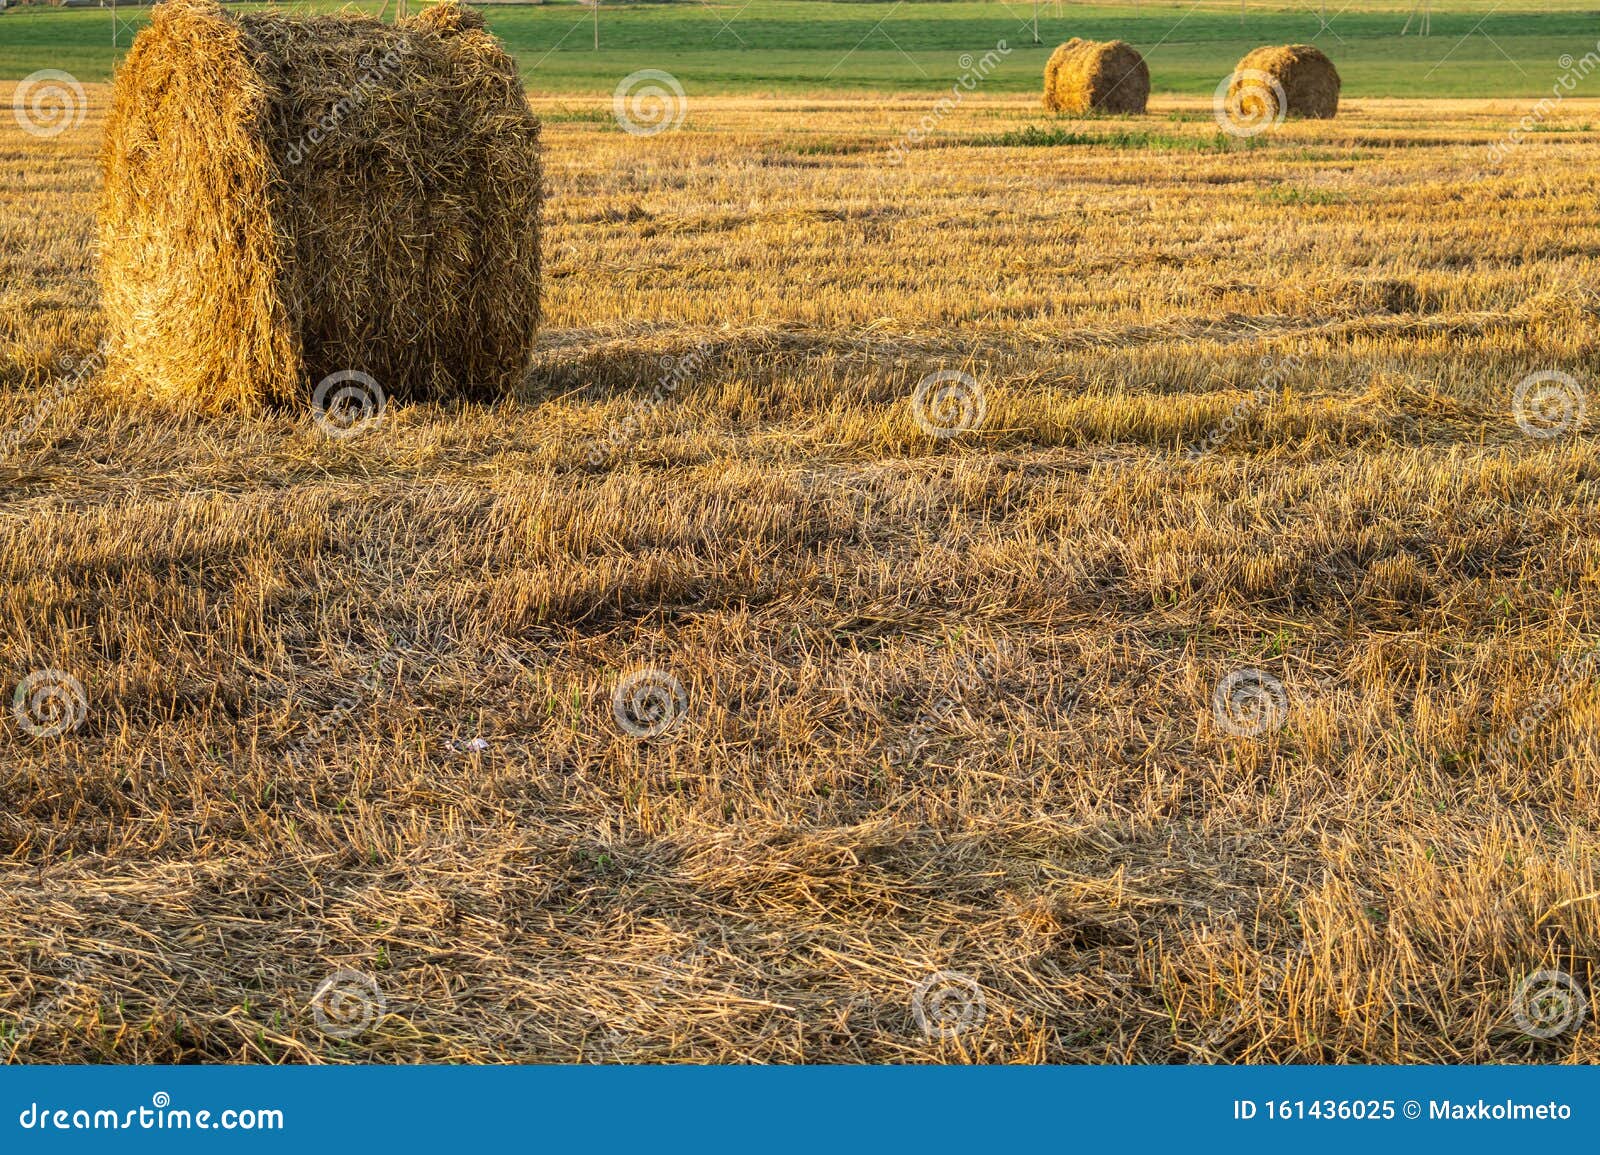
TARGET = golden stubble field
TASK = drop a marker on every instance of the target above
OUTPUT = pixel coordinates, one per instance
(948, 741)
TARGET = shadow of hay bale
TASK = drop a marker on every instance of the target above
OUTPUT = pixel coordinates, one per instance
(599, 364)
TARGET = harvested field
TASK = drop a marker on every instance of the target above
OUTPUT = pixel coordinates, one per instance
(947, 703)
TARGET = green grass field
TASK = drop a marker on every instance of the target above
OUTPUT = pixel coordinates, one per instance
(1475, 48)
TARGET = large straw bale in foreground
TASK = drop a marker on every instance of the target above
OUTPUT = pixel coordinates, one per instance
(288, 197)
(1096, 76)
(1305, 76)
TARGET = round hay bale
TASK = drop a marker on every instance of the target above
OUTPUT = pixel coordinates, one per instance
(288, 198)
(447, 18)
(1288, 80)
(1096, 76)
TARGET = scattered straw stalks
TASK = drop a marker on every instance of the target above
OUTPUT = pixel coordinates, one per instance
(290, 644)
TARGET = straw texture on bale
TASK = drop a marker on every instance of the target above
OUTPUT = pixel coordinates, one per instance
(289, 197)
(1309, 81)
(1096, 76)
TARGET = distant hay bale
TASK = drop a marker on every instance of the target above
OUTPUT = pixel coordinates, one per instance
(1300, 74)
(1096, 76)
(288, 198)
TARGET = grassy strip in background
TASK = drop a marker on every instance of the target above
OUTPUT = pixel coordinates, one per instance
(1035, 136)
(1475, 50)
